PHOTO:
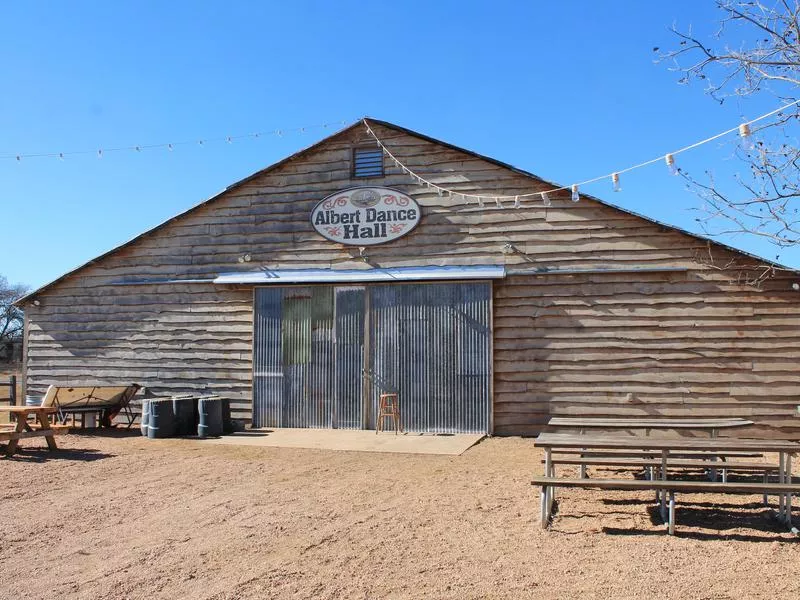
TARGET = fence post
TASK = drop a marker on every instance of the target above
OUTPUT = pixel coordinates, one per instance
(12, 391)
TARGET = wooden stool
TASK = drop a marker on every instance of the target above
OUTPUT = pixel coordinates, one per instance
(389, 407)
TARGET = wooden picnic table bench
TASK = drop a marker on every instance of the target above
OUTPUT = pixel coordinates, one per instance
(669, 486)
(23, 429)
(653, 464)
(712, 425)
(557, 442)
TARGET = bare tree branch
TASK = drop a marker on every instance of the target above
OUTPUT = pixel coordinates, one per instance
(11, 323)
(769, 64)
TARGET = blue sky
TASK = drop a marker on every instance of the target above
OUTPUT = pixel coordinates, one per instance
(568, 90)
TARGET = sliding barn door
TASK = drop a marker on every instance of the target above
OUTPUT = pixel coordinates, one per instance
(431, 344)
(323, 355)
(308, 357)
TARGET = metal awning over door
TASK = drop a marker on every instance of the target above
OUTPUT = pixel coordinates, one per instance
(323, 354)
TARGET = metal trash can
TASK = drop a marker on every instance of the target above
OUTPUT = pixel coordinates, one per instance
(33, 400)
(209, 410)
(161, 422)
(185, 411)
(144, 420)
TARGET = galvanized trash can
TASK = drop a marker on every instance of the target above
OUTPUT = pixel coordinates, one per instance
(209, 410)
(33, 400)
(185, 411)
(161, 422)
(144, 420)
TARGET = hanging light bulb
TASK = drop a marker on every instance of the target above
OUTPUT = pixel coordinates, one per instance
(137, 148)
(229, 139)
(575, 196)
(480, 201)
(60, 156)
(670, 160)
(546, 199)
(439, 190)
(746, 137)
(99, 154)
(19, 158)
(615, 182)
(498, 202)
(517, 202)
(169, 147)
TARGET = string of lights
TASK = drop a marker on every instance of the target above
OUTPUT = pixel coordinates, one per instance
(743, 129)
(229, 139)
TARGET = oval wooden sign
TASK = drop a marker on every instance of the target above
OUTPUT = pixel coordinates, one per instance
(365, 216)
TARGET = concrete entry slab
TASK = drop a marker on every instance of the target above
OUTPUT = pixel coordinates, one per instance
(354, 440)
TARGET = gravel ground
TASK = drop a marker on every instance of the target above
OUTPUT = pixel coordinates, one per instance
(118, 516)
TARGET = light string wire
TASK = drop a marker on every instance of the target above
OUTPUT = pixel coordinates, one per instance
(614, 175)
(170, 145)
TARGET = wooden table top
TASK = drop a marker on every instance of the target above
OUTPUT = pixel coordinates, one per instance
(28, 409)
(615, 442)
(648, 423)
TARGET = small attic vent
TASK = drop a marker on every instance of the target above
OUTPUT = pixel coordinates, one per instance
(367, 162)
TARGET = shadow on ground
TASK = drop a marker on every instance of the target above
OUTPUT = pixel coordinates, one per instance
(41, 455)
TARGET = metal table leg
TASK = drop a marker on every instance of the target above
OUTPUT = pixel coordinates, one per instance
(548, 471)
(671, 525)
(543, 515)
(712, 473)
(788, 501)
(781, 479)
(664, 454)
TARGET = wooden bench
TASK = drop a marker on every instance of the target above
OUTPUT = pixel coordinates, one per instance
(651, 454)
(644, 454)
(23, 429)
(8, 435)
(653, 463)
(668, 486)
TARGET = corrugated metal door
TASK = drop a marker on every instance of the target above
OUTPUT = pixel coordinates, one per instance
(267, 358)
(431, 343)
(308, 357)
(348, 413)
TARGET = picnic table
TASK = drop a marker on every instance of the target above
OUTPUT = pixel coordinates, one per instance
(712, 425)
(667, 448)
(22, 430)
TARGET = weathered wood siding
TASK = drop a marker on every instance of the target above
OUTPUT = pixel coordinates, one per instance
(698, 341)
(657, 344)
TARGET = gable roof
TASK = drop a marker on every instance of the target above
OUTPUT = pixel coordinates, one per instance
(410, 132)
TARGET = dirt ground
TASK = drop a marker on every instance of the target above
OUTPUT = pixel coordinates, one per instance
(119, 516)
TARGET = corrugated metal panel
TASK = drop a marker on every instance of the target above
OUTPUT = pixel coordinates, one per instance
(308, 356)
(431, 345)
(349, 358)
(267, 358)
(286, 276)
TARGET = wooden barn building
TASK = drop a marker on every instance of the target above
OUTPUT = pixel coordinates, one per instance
(308, 288)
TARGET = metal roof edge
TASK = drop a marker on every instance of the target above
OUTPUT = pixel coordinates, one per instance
(433, 273)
